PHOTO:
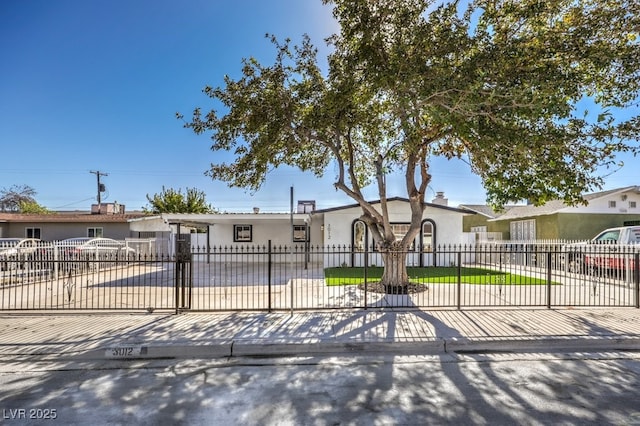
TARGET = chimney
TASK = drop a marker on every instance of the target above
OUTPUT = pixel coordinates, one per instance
(306, 206)
(440, 200)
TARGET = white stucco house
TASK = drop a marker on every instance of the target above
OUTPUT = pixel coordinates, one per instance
(441, 226)
(227, 229)
(333, 229)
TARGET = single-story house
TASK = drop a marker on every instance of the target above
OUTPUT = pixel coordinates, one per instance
(556, 220)
(308, 228)
(61, 225)
(202, 231)
(338, 227)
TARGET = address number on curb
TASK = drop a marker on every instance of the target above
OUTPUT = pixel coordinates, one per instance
(125, 352)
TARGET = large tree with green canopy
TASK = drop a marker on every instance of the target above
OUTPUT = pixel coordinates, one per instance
(499, 83)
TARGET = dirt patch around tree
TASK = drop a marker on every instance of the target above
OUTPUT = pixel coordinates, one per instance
(378, 287)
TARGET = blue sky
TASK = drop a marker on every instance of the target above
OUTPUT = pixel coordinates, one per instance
(90, 85)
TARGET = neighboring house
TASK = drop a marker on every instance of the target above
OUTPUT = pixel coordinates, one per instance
(481, 223)
(555, 219)
(61, 225)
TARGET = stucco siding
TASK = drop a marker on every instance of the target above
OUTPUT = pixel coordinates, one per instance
(60, 231)
(262, 231)
(616, 203)
(546, 227)
(448, 224)
(570, 226)
(471, 220)
(586, 226)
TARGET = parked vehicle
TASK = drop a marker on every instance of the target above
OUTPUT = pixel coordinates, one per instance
(611, 250)
(15, 251)
(94, 247)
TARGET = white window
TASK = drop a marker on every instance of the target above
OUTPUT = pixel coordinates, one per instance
(427, 237)
(359, 234)
(242, 233)
(32, 233)
(632, 204)
(612, 204)
(400, 230)
(522, 230)
(299, 233)
(95, 232)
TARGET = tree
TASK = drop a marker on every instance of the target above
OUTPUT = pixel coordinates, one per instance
(172, 201)
(31, 207)
(17, 196)
(499, 84)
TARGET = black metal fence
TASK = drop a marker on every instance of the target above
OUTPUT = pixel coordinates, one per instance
(268, 278)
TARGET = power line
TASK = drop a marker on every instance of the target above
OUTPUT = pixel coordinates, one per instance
(71, 204)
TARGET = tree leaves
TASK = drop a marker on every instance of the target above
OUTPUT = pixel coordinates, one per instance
(501, 83)
(174, 201)
(16, 197)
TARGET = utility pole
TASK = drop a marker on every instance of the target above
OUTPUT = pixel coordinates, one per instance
(101, 188)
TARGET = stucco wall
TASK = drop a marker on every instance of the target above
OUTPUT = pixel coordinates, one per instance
(601, 205)
(338, 223)
(278, 231)
(572, 226)
(586, 226)
(60, 231)
(472, 220)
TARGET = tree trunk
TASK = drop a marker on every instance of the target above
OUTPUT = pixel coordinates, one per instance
(395, 278)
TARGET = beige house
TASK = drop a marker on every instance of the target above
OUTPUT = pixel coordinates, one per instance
(61, 225)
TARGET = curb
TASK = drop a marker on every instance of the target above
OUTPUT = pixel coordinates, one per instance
(261, 349)
(552, 344)
(258, 349)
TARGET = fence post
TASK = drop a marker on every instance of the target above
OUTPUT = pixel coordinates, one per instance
(636, 278)
(190, 280)
(176, 269)
(459, 283)
(549, 279)
(269, 275)
(366, 264)
(183, 268)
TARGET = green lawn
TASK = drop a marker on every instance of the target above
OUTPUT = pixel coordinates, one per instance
(435, 275)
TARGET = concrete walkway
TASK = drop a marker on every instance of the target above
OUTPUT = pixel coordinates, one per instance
(88, 336)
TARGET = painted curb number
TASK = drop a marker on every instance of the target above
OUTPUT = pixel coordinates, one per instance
(125, 351)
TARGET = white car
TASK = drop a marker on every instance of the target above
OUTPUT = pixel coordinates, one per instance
(14, 251)
(94, 246)
(18, 246)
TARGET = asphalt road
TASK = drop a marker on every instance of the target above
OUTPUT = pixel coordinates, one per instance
(482, 389)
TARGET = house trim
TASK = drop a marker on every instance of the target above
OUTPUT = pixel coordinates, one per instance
(389, 200)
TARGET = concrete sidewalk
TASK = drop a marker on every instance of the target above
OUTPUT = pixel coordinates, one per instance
(103, 336)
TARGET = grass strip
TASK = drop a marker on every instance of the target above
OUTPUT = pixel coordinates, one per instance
(432, 275)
